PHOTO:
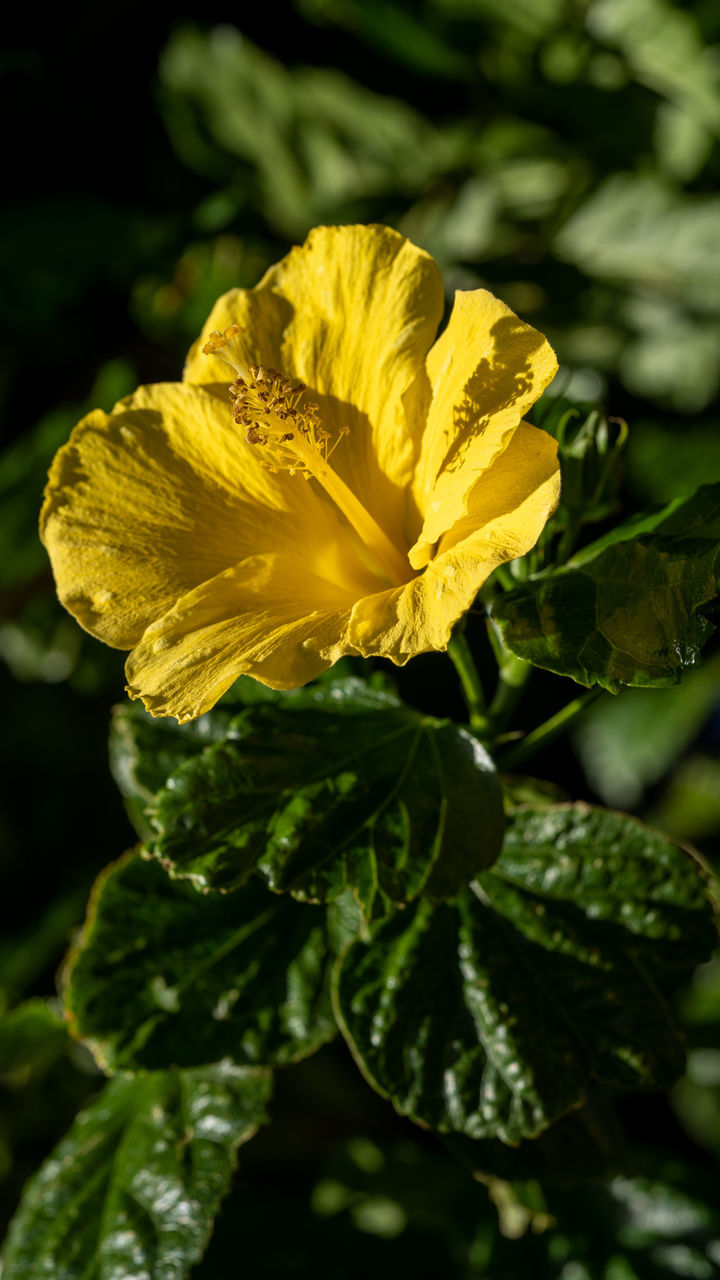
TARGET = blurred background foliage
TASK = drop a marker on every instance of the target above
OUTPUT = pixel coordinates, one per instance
(563, 153)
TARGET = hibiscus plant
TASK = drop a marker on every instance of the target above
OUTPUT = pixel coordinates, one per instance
(332, 485)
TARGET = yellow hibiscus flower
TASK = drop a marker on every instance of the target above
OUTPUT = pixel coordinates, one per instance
(325, 480)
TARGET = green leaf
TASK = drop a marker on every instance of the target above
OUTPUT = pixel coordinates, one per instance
(315, 141)
(689, 807)
(663, 464)
(638, 231)
(32, 1035)
(671, 359)
(629, 742)
(338, 786)
(670, 1227)
(167, 976)
(583, 1145)
(683, 144)
(394, 32)
(144, 752)
(490, 1015)
(133, 1188)
(627, 610)
(664, 47)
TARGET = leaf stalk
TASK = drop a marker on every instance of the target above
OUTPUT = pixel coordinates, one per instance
(548, 730)
(459, 653)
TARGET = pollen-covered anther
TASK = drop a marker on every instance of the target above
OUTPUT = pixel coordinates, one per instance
(268, 405)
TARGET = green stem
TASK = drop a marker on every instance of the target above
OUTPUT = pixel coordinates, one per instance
(513, 675)
(505, 578)
(567, 543)
(459, 653)
(547, 731)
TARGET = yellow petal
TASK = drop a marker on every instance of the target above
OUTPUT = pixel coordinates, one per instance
(145, 503)
(507, 512)
(267, 617)
(484, 372)
(513, 499)
(351, 313)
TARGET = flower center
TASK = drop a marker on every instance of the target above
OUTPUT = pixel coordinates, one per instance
(268, 405)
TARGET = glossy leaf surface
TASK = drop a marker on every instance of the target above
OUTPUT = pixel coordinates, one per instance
(133, 1188)
(629, 609)
(334, 787)
(490, 1015)
(167, 976)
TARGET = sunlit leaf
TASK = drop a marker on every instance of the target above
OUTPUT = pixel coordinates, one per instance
(664, 47)
(335, 787)
(489, 1016)
(630, 608)
(634, 229)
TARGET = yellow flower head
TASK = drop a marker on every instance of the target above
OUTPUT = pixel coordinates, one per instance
(325, 480)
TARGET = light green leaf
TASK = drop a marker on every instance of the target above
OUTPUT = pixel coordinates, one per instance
(629, 609)
(133, 1188)
(315, 139)
(338, 786)
(490, 1015)
(533, 19)
(683, 144)
(672, 358)
(167, 976)
(636, 230)
(664, 47)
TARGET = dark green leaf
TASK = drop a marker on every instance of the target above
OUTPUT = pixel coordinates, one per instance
(395, 32)
(689, 807)
(165, 975)
(134, 1187)
(627, 610)
(333, 787)
(490, 1015)
(663, 464)
(145, 750)
(144, 753)
(584, 1144)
